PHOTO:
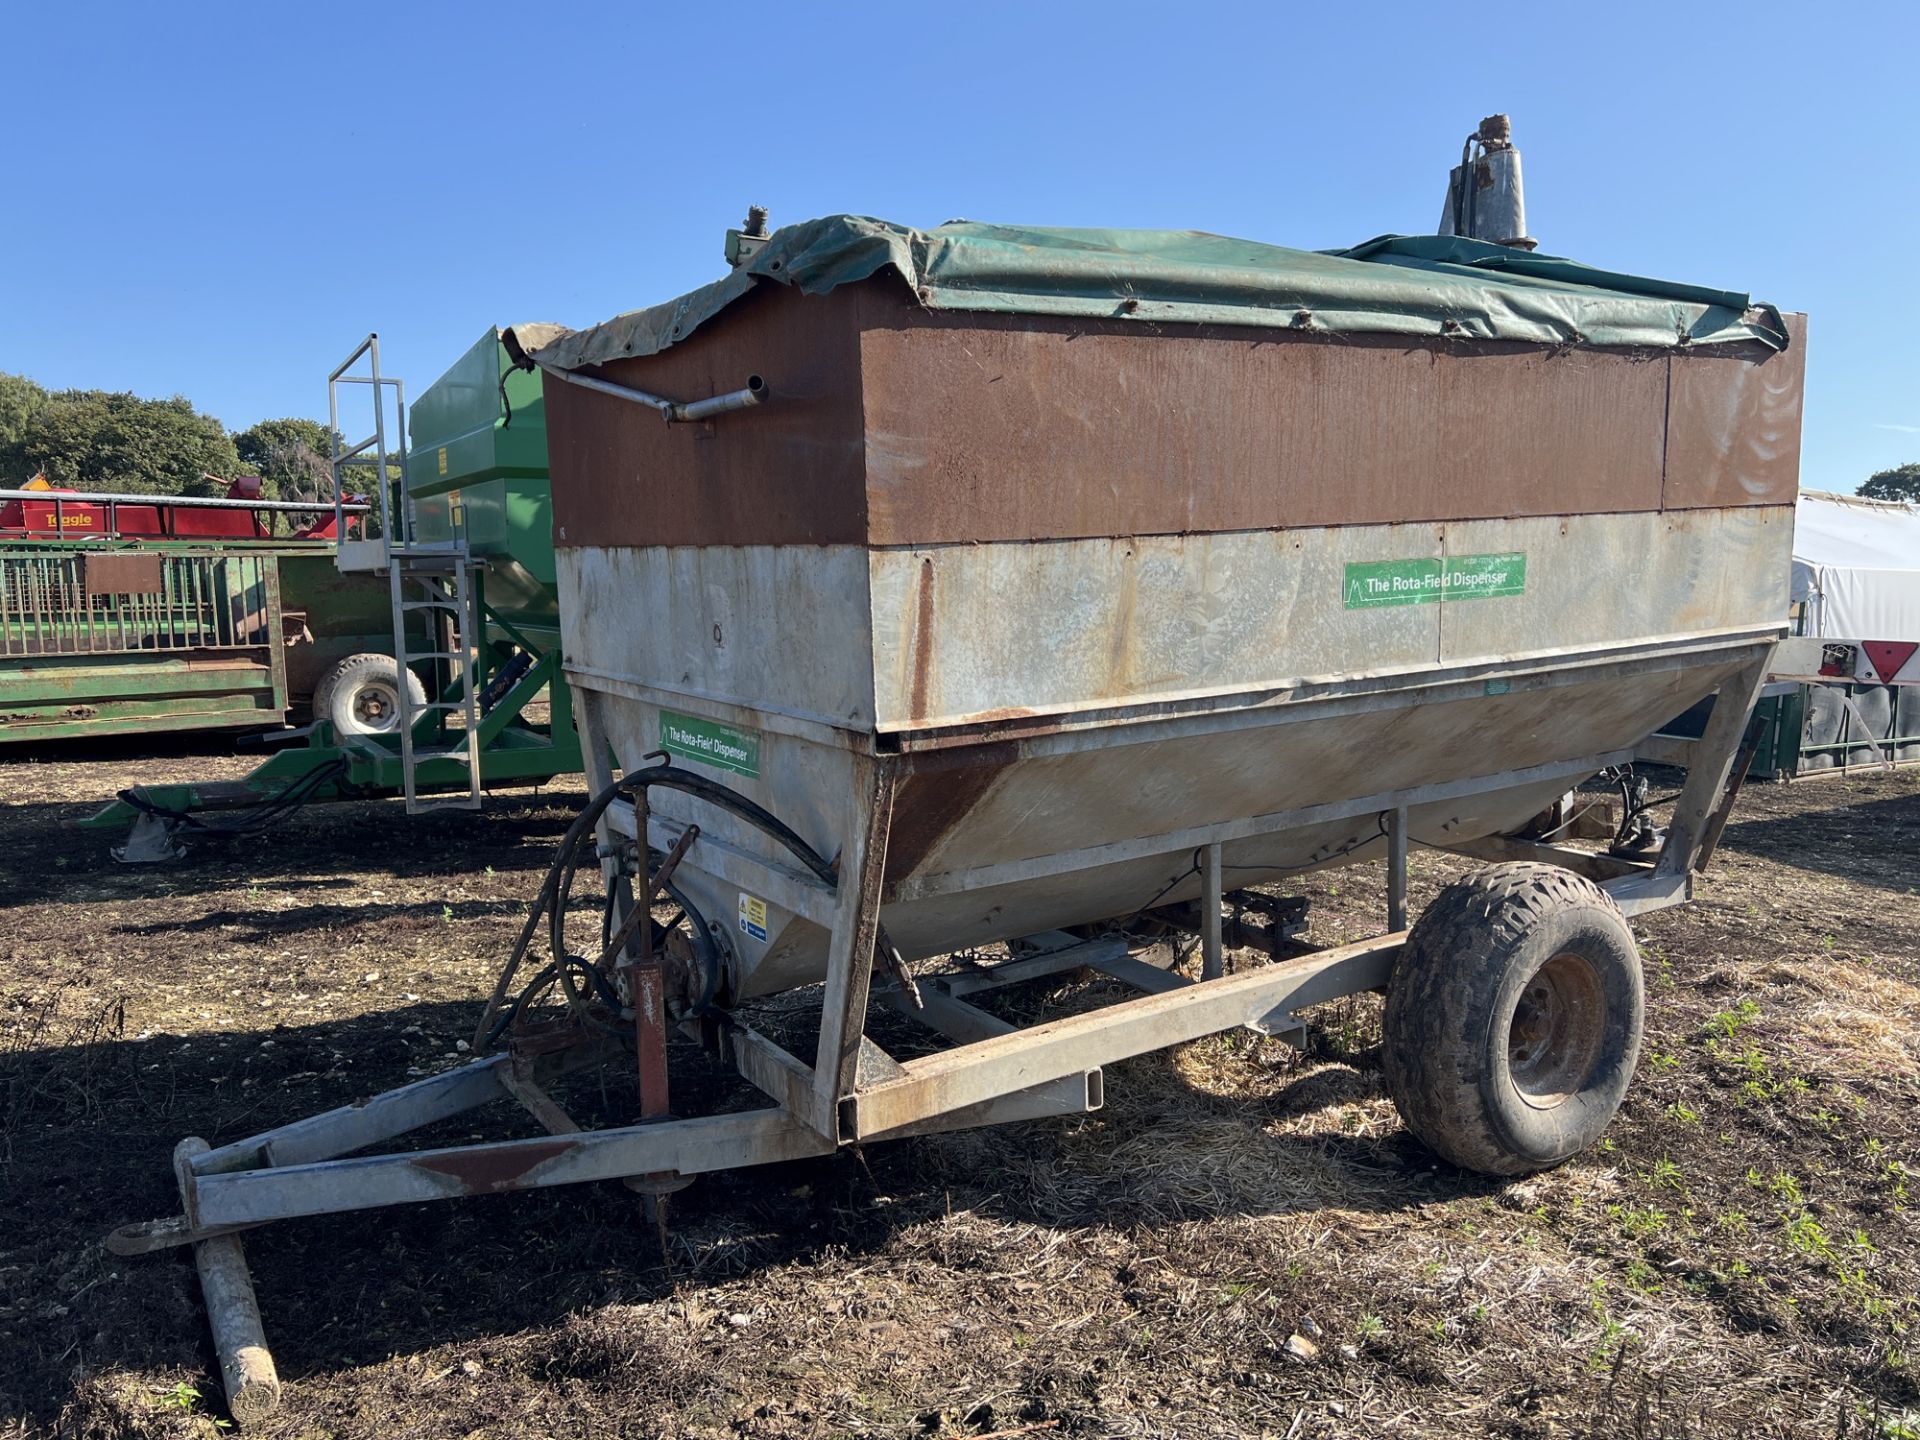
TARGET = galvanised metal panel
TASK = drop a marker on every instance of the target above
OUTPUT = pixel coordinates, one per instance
(1075, 791)
(972, 633)
(1097, 691)
(1595, 580)
(1284, 757)
(779, 628)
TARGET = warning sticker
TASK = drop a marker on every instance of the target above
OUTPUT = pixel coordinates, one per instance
(753, 916)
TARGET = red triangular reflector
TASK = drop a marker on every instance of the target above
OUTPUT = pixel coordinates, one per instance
(1887, 656)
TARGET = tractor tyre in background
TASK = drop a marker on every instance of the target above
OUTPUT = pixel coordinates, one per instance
(361, 695)
(1513, 1019)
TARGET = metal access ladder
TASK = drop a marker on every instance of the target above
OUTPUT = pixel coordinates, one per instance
(429, 581)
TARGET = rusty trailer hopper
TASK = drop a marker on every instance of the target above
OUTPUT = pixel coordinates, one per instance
(926, 590)
(1086, 589)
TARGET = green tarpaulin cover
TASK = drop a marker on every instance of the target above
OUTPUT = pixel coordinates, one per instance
(1396, 285)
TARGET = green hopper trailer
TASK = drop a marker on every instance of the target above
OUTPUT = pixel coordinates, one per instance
(459, 550)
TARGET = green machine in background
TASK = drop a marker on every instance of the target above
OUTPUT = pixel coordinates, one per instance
(477, 473)
(464, 541)
(137, 614)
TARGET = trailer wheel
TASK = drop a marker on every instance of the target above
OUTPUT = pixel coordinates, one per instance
(361, 695)
(1513, 1019)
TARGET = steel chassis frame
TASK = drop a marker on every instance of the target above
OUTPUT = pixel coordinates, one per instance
(853, 1091)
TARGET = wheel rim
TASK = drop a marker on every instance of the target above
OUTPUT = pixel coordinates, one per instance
(1558, 1028)
(377, 707)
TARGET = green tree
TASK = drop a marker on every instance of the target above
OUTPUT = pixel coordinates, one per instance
(96, 440)
(1902, 482)
(293, 456)
(20, 401)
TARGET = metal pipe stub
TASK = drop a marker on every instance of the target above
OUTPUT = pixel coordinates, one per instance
(672, 411)
(752, 393)
(246, 1365)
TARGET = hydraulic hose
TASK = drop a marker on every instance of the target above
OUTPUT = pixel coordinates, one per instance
(550, 900)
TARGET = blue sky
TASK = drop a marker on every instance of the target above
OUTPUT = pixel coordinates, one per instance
(219, 201)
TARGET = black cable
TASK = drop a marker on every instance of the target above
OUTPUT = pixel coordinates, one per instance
(558, 882)
(1193, 869)
(583, 824)
(701, 788)
(548, 974)
(255, 818)
(1347, 849)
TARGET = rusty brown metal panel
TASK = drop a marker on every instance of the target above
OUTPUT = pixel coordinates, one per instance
(938, 792)
(1733, 429)
(1575, 432)
(893, 425)
(1018, 428)
(117, 573)
(787, 473)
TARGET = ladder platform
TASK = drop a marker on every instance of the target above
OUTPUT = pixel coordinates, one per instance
(435, 575)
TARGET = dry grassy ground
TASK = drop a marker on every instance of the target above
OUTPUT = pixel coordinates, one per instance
(1740, 1258)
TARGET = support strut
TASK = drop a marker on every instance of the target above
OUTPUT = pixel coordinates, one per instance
(247, 1370)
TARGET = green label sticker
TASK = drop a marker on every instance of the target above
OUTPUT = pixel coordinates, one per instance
(1373, 583)
(710, 742)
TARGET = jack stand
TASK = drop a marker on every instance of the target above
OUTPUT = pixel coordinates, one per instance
(149, 842)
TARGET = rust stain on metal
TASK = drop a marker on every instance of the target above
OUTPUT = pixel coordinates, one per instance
(650, 1033)
(484, 1171)
(922, 642)
(1011, 724)
(937, 793)
(116, 573)
(1121, 658)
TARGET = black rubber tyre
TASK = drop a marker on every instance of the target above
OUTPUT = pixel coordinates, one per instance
(361, 695)
(1513, 1019)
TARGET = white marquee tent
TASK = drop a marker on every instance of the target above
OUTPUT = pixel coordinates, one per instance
(1856, 569)
(1856, 566)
